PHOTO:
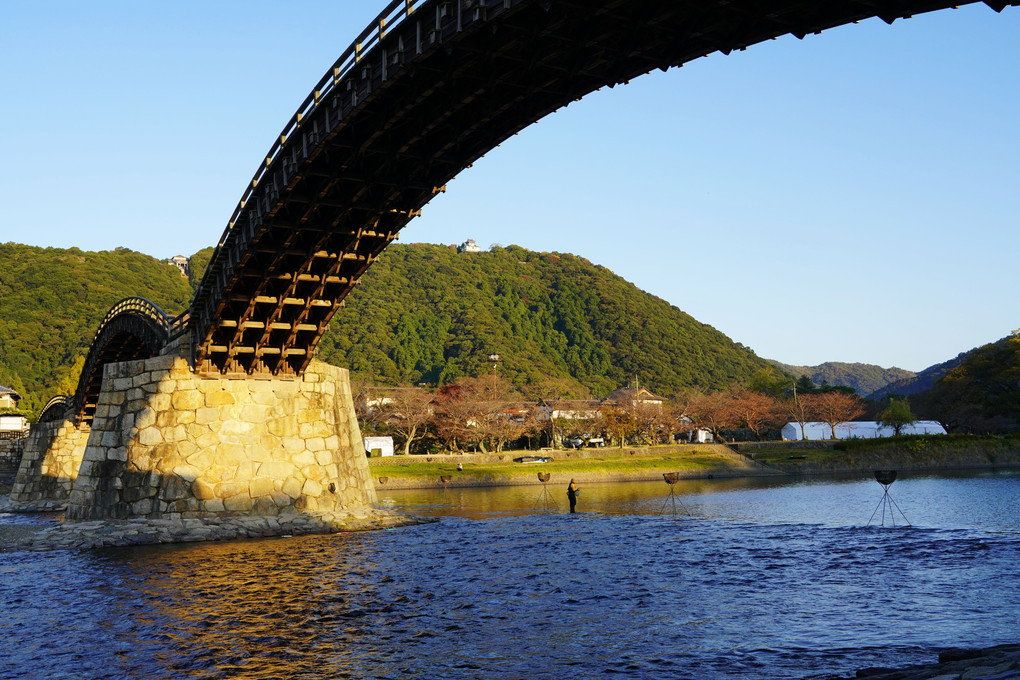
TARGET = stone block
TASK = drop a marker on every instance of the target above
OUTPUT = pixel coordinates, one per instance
(219, 397)
(261, 487)
(119, 453)
(159, 402)
(304, 459)
(140, 379)
(159, 364)
(238, 503)
(203, 489)
(186, 472)
(315, 444)
(292, 487)
(282, 427)
(312, 487)
(235, 427)
(150, 436)
(141, 508)
(121, 384)
(145, 418)
(207, 415)
(226, 490)
(213, 505)
(110, 439)
(187, 400)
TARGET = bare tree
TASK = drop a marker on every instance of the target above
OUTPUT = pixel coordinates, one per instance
(801, 409)
(837, 407)
(408, 411)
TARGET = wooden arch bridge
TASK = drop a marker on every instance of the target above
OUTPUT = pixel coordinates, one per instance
(421, 93)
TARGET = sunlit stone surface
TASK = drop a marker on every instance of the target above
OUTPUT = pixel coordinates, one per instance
(167, 444)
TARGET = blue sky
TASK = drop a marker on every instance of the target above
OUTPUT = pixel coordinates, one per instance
(854, 196)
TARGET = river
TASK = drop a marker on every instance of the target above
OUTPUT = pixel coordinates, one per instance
(740, 579)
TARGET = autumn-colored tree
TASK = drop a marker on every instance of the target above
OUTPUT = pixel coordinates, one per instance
(754, 410)
(618, 423)
(713, 411)
(837, 407)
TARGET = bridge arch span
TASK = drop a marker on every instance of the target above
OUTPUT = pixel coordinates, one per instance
(422, 93)
(134, 328)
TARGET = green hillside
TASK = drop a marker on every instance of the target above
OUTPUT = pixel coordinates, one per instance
(427, 313)
(423, 314)
(981, 394)
(865, 379)
(52, 301)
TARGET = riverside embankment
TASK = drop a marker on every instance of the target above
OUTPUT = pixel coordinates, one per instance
(703, 461)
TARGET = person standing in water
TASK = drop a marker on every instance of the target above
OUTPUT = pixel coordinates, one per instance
(572, 494)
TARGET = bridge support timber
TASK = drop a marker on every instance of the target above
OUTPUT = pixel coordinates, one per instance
(49, 466)
(167, 444)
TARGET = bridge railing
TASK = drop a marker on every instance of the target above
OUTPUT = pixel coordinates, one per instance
(143, 307)
(394, 13)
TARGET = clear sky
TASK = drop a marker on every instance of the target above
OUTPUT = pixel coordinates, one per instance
(854, 196)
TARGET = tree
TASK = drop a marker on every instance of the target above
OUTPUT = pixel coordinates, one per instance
(754, 410)
(714, 411)
(617, 422)
(801, 409)
(837, 407)
(896, 415)
(408, 410)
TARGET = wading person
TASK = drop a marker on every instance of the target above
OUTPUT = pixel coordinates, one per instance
(572, 494)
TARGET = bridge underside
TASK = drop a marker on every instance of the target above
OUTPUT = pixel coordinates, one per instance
(440, 87)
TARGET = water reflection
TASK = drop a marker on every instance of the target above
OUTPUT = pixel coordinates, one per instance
(767, 580)
(946, 501)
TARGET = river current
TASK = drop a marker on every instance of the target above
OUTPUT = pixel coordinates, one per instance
(738, 579)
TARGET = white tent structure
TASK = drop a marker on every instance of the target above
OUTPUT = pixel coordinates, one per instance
(858, 430)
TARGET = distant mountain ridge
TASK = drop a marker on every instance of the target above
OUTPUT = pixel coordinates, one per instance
(865, 379)
(923, 380)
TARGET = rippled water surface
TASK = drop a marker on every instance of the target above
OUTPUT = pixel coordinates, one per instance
(746, 580)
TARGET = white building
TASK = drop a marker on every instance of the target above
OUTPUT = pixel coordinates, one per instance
(858, 430)
(384, 445)
(469, 246)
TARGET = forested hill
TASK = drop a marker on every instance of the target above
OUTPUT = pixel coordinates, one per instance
(864, 378)
(52, 301)
(427, 313)
(423, 314)
(981, 393)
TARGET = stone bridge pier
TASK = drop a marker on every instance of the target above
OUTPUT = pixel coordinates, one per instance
(49, 466)
(167, 444)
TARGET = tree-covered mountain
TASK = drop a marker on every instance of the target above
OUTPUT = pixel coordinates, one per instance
(979, 395)
(865, 379)
(427, 313)
(52, 301)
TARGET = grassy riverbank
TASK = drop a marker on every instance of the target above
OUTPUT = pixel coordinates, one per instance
(588, 465)
(913, 453)
(943, 453)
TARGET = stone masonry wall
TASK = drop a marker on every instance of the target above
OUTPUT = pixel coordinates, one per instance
(49, 466)
(168, 444)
